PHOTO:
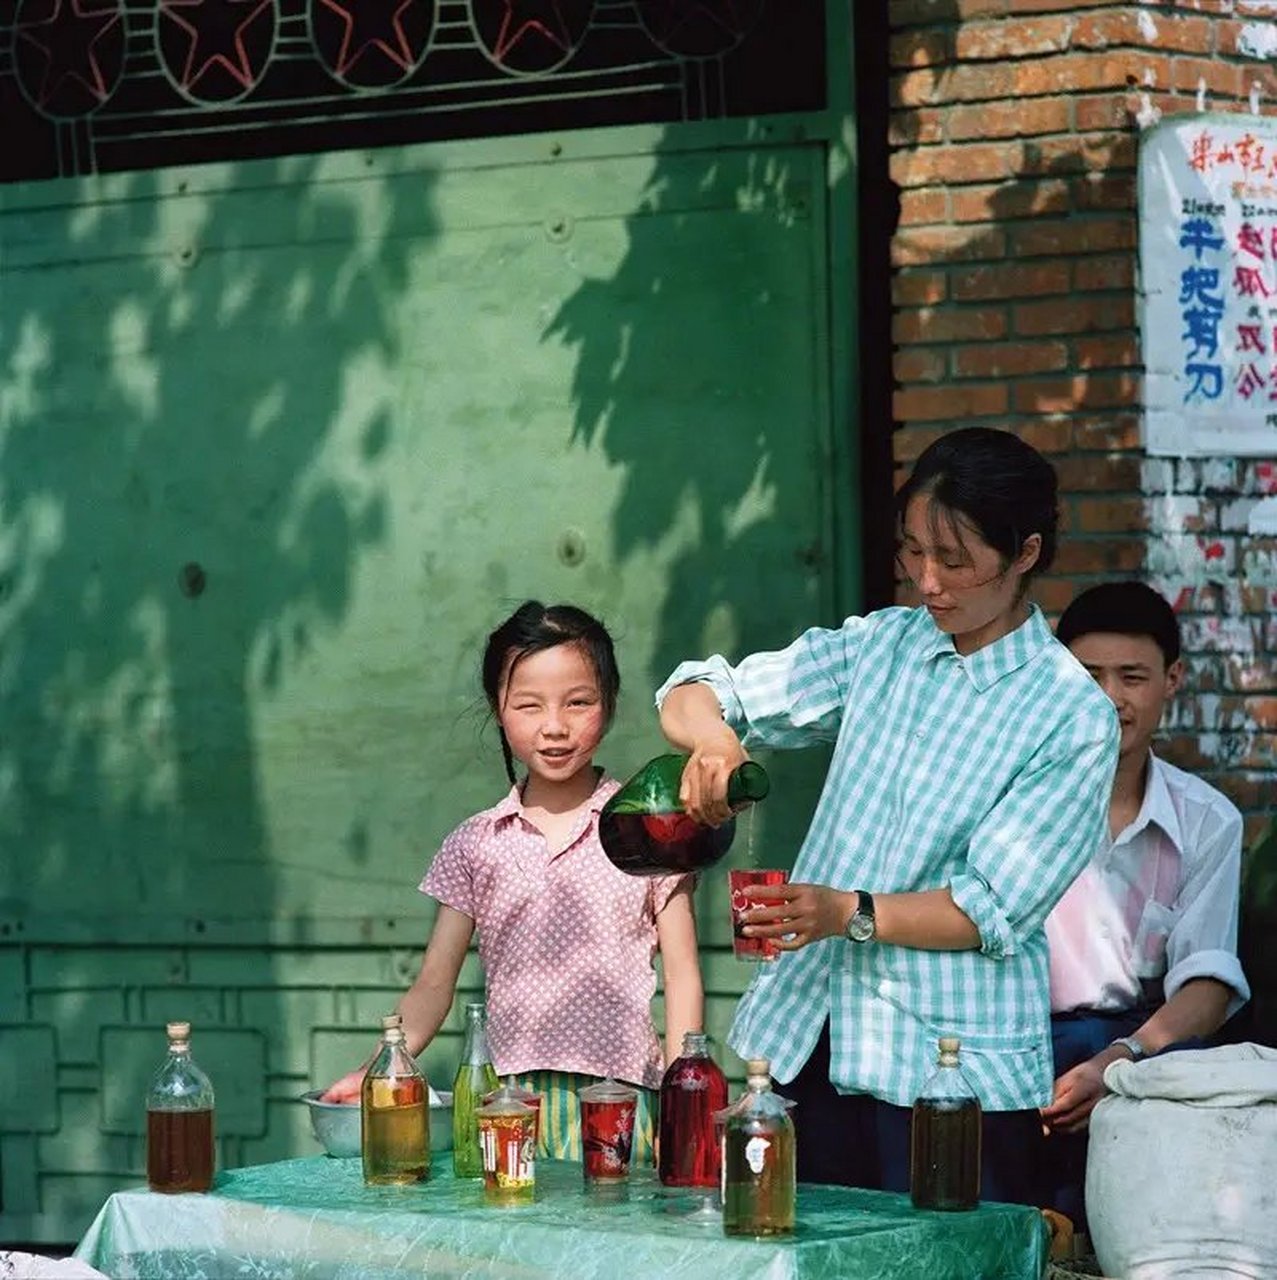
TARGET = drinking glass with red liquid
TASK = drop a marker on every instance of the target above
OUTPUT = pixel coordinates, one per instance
(694, 1088)
(607, 1130)
(754, 949)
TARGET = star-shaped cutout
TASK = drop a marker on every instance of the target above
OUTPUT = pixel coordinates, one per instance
(219, 39)
(526, 19)
(369, 27)
(668, 19)
(69, 42)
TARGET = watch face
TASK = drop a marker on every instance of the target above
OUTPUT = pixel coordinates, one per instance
(860, 928)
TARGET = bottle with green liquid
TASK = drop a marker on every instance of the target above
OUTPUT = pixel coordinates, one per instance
(476, 1076)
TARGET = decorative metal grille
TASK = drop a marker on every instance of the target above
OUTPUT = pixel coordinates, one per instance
(99, 85)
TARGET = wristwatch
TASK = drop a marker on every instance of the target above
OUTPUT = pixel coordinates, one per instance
(1132, 1046)
(860, 928)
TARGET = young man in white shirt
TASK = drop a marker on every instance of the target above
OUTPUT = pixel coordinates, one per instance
(1143, 945)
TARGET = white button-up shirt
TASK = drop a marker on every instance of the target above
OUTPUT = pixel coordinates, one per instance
(1157, 906)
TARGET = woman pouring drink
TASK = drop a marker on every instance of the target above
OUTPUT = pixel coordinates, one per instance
(972, 760)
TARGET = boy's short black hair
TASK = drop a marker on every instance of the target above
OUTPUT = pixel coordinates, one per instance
(1125, 609)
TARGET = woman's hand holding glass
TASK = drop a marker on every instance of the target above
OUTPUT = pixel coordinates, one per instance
(798, 914)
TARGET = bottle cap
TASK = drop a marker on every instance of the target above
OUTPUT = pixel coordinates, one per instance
(758, 1067)
(949, 1044)
(474, 1006)
(391, 1020)
(608, 1091)
(178, 1030)
(695, 1042)
(511, 1091)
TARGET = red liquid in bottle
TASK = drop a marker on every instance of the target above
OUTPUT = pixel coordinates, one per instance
(660, 844)
(693, 1089)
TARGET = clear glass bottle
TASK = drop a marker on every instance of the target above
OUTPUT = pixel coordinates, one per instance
(645, 832)
(395, 1138)
(944, 1164)
(476, 1077)
(692, 1090)
(759, 1160)
(179, 1120)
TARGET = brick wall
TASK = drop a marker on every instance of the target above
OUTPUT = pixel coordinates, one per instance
(1013, 131)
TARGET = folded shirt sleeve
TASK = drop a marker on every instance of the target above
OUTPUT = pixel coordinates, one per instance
(1035, 841)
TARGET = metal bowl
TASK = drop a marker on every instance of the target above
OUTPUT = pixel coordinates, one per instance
(336, 1124)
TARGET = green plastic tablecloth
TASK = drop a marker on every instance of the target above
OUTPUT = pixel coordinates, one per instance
(314, 1219)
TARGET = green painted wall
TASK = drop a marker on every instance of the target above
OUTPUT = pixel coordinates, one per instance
(280, 442)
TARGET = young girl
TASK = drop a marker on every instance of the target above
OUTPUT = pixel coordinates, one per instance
(566, 940)
(968, 786)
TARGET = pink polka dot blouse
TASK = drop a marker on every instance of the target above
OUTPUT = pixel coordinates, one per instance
(567, 942)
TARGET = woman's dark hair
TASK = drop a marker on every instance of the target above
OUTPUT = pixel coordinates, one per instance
(1000, 486)
(534, 627)
(1124, 609)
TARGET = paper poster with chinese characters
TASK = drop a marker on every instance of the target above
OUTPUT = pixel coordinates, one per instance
(1208, 271)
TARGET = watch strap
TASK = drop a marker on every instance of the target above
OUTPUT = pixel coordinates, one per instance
(1132, 1046)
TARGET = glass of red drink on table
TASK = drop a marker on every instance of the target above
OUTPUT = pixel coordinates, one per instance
(607, 1130)
(739, 880)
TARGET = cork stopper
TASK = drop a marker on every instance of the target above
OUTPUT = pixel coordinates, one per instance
(759, 1066)
(178, 1030)
(391, 1021)
(949, 1044)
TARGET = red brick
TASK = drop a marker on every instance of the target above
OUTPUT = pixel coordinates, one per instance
(921, 48)
(1222, 78)
(1053, 593)
(1073, 235)
(1101, 192)
(924, 205)
(1007, 201)
(1099, 473)
(1107, 431)
(1009, 119)
(909, 441)
(919, 364)
(906, 13)
(925, 246)
(962, 400)
(1076, 73)
(1105, 111)
(1046, 435)
(967, 162)
(1261, 712)
(919, 288)
(1081, 391)
(916, 126)
(1010, 280)
(1007, 359)
(1073, 315)
(1122, 27)
(1109, 515)
(1013, 38)
(1110, 271)
(1118, 350)
(949, 324)
(1100, 555)
(972, 82)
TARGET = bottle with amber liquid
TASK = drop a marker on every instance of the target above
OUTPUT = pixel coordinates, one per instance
(693, 1089)
(179, 1120)
(395, 1113)
(944, 1166)
(759, 1160)
(476, 1077)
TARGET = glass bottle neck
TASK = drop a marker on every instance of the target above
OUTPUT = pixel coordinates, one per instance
(695, 1044)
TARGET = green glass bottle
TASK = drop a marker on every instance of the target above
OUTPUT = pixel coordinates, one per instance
(476, 1076)
(645, 832)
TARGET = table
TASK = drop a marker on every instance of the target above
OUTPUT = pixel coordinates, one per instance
(314, 1218)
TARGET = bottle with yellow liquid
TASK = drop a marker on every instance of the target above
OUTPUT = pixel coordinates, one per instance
(395, 1111)
(476, 1077)
(759, 1176)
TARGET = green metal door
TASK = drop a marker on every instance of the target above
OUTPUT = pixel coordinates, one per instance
(282, 441)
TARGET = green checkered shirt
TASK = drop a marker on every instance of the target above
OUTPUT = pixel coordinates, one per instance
(989, 774)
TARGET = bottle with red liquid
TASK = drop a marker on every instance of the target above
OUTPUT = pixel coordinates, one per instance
(645, 832)
(693, 1089)
(179, 1120)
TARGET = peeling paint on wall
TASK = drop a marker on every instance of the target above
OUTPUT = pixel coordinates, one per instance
(1257, 40)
